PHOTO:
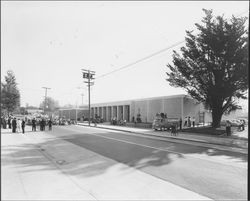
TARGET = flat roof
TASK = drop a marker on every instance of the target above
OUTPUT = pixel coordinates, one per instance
(124, 102)
(74, 108)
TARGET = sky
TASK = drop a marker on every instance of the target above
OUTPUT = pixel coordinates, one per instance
(47, 43)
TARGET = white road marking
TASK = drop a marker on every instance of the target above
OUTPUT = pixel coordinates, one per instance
(204, 157)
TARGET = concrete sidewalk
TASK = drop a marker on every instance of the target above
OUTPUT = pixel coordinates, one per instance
(228, 143)
(39, 166)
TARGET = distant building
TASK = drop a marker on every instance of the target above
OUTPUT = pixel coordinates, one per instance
(177, 106)
(73, 113)
(34, 111)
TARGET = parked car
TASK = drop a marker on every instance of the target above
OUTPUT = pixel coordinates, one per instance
(97, 120)
(244, 120)
(63, 122)
(55, 122)
(233, 122)
(163, 123)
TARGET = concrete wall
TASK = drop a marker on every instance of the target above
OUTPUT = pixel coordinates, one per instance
(140, 107)
(175, 106)
(191, 108)
(154, 106)
(172, 107)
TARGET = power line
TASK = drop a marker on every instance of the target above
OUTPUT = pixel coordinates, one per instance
(242, 13)
(142, 59)
(89, 75)
(152, 55)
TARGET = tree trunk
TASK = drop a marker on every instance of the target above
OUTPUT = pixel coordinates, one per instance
(216, 116)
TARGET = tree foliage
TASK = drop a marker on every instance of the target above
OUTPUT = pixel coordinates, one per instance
(10, 95)
(213, 67)
(51, 104)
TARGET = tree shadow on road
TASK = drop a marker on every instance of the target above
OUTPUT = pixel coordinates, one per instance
(87, 162)
(96, 155)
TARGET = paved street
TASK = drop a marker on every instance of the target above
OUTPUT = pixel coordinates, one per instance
(76, 162)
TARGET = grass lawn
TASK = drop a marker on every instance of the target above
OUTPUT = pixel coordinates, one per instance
(206, 130)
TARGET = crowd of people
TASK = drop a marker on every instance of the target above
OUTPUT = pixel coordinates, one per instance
(17, 124)
(121, 122)
(188, 121)
(42, 124)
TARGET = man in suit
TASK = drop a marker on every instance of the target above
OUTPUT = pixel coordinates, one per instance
(50, 124)
(33, 124)
(9, 122)
(14, 124)
(180, 121)
(43, 124)
(23, 125)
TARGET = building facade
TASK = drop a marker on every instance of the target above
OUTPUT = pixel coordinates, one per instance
(73, 113)
(177, 106)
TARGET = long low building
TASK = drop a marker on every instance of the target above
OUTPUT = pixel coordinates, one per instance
(177, 106)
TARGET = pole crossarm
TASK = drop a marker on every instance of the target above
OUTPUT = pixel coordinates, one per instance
(88, 75)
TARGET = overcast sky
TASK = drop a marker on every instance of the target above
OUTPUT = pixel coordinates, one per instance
(47, 44)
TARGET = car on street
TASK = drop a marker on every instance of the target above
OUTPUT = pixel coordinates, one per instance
(233, 122)
(160, 123)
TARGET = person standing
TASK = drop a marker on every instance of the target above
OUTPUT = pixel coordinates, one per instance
(43, 125)
(9, 122)
(4, 122)
(243, 124)
(33, 124)
(95, 122)
(40, 124)
(185, 121)
(228, 128)
(14, 125)
(23, 125)
(180, 121)
(19, 125)
(193, 121)
(133, 119)
(189, 122)
(50, 125)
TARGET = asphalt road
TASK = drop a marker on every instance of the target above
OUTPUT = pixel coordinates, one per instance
(211, 172)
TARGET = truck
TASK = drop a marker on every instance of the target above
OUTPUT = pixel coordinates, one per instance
(161, 122)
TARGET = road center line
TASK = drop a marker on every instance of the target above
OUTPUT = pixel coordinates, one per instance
(166, 150)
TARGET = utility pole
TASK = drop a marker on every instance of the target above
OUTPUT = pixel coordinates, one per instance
(45, 100)
(87, 74)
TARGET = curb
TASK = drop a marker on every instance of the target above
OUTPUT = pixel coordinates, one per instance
(192, 140)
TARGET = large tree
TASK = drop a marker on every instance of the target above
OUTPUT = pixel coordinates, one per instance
(213, 67)
(10, 95)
